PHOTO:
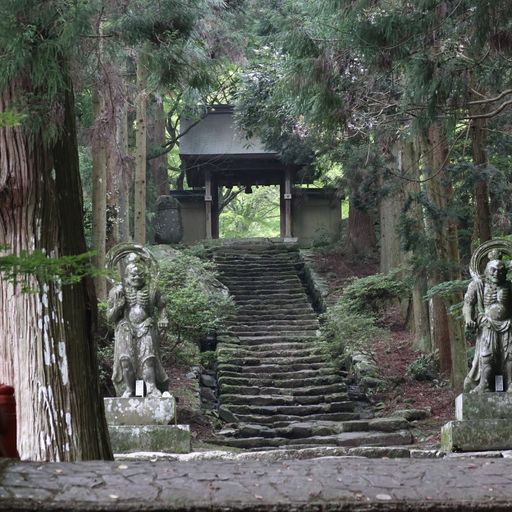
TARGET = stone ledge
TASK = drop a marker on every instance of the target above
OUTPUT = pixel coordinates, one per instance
(477, 435)
(150, 438)
(473, 406)
(138, 410)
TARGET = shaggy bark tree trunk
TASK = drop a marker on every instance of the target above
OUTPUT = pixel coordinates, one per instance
(446, 332)
(99, 191)
(481, 191)
(420, 309)
(47, 350)
(139, 228)
(156, 139)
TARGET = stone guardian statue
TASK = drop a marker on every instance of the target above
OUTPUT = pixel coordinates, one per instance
(138, 313)
(488, 309)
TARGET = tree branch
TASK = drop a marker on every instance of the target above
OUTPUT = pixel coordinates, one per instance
(491, 100)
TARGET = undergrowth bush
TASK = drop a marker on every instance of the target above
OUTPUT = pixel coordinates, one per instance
(196, 305)
(425, 367)
(352, 323)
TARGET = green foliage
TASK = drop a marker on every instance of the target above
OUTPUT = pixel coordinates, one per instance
(11, 118)
(208, 359)
(369, 294)
(351, 324)
(424, 367)
(194, 307)
(64, 269)
(348, 333)
(252, 215)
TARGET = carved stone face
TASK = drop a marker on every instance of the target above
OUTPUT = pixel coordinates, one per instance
(496, 272)
(134, 275)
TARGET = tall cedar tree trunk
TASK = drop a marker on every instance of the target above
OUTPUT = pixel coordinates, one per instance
(420, 309)
(156, 140)
(361, 223)
(390, 208)
(139, 207)
(482, 231)
(47, 349)
(126, 179)
(447, 331)
(99, 190)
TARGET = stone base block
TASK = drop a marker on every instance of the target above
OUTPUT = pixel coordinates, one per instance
(473, 406)
(150, 438)
(138, 410)
(476, 435)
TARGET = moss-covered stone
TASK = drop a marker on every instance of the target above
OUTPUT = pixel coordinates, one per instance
(138, 410)
(477, 435)
(150, 438)
(475, 406)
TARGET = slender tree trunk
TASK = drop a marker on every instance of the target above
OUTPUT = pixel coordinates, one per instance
(99, 191)
(126, 174)
(446, 332)
(420, 309)
(47, 351)
(156, 140)
(481, 191)
(390, 208)
(139, 227)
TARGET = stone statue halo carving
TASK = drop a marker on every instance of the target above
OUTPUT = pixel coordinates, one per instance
(491, 249)
(119, 252)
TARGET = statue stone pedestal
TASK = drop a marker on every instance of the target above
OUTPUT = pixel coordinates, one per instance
(483, 422)
(140, 424)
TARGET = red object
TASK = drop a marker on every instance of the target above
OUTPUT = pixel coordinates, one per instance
(8, 422)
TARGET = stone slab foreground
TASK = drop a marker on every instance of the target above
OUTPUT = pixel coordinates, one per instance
(322, 484)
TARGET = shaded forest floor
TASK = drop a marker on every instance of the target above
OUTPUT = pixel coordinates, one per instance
(393, 355)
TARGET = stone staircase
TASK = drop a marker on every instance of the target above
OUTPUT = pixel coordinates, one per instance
(275, 377)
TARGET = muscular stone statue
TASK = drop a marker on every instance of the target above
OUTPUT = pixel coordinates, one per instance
(136, 308)
(488, 308)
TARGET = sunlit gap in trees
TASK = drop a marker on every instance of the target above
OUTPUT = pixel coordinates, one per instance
(251, 215)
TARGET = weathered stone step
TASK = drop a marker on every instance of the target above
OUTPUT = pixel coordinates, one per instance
(279, 325)
(302, 429)
(271, 369)
(285, 419)
(271, 361)
(275, 303)
(227, 389)
(279, 400)
(270, 295)
(308, 344)
(348, 439)
(288, 338)
(276, 279)
(269, 308)
(295, 410)
(249, 373)
(243, 274)
(270, 382)
(255, 263)
(269, 316)
(271, 353)
(291, 332)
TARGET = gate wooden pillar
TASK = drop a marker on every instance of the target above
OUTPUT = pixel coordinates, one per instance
(208, 199)
(288, 203)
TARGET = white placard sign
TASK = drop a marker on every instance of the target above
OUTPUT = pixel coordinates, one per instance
(140, 388)
(498, 383)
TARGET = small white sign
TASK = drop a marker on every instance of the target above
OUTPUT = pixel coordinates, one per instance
(498, 383)
(140, 388)
(287, 196)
